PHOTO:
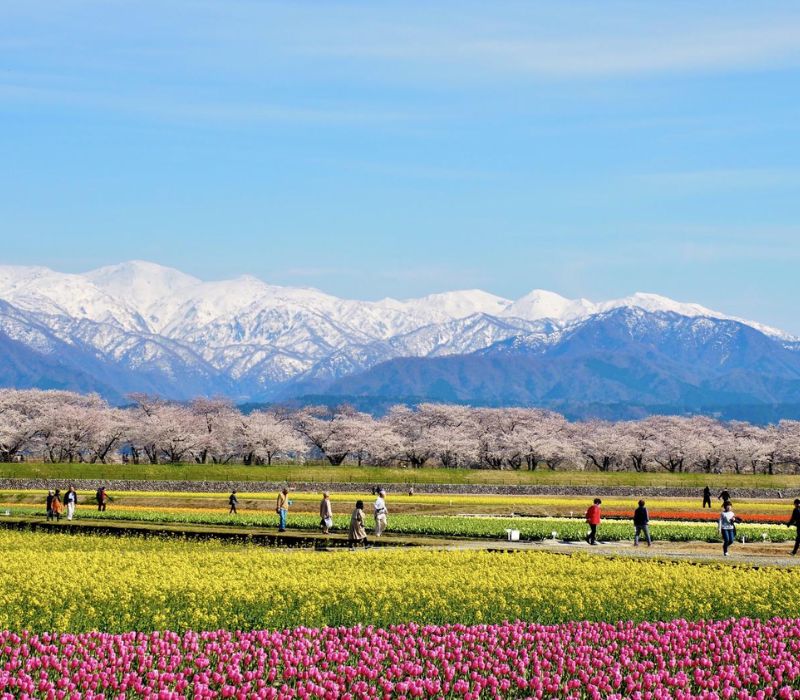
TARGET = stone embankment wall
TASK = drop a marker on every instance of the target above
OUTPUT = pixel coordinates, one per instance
(477, 489)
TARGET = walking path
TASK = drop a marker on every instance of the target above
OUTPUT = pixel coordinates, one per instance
(752, 553)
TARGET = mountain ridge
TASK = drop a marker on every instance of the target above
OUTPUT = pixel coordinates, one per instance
(143, 326)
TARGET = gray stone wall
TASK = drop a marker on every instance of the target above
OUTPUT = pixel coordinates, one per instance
(244, 487)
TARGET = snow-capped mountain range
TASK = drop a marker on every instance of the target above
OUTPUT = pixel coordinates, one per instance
(139, 326)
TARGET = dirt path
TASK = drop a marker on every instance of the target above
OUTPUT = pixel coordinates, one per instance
(757, 554)
(751, 553)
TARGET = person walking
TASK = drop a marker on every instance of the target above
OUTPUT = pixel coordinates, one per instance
(724, 496)
(57, 505)
(706, 497)
(325, 513)
(70, 501)
(641, 520)
(727, 526)
(102, 498)
(593, 518)
(233, 501)
(282, 508)
(795, 520)
(49, 502)
(381, 513)
(357, 533)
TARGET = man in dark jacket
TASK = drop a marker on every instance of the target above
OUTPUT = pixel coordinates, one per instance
(641, 518)
(233, 501)
(706, 497)
(795, 520)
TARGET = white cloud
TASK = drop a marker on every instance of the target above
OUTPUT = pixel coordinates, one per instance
(600, 43)
(724, 179)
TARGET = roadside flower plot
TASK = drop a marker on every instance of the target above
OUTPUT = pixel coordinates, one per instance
(739, 659)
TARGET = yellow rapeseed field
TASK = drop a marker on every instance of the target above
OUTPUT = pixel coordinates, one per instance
(578, 503)
(86, 582)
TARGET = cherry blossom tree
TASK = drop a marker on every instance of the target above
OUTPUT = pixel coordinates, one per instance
(105, 435)
(748, 448)
(177, 433)
(501, 436)
(600, 445)
(326, 430)
(66, 423)
(412, 430)
(638, 443)
(265, 435)
(710, 443)
(788, 443)
(20, 413)
(66, 426)
(216, 421)
(546, 437)
(674, 439)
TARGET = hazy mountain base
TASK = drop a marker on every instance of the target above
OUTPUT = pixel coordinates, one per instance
(626, 363)
(623, 364)
(758, 414)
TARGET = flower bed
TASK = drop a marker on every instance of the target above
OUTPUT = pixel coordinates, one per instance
(533, 528)
(80, 583)
(739, 659)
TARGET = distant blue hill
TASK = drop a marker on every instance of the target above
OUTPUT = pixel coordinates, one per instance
(623, 363)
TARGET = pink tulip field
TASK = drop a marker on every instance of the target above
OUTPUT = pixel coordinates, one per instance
(738, 659)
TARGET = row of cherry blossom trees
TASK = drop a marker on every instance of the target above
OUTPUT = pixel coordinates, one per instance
(59, 426)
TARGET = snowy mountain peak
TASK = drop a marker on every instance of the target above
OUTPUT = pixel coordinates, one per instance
(461, 303)
(143, 295)
(540, 304)
(146, 320)
(141, 284)
(41, 290)
(656, 302)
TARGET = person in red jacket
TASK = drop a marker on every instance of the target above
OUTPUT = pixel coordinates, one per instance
(593, 518)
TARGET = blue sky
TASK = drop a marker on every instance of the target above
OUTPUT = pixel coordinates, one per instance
(403, 148)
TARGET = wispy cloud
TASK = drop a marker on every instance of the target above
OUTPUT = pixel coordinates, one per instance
(724, 178)
(412, 171)
(188, 108)
(592, 46)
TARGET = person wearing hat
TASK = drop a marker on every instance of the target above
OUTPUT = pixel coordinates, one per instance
(381, 513)
(795, 520)
(281, 508)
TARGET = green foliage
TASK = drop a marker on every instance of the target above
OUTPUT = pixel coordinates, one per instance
(387, 475)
